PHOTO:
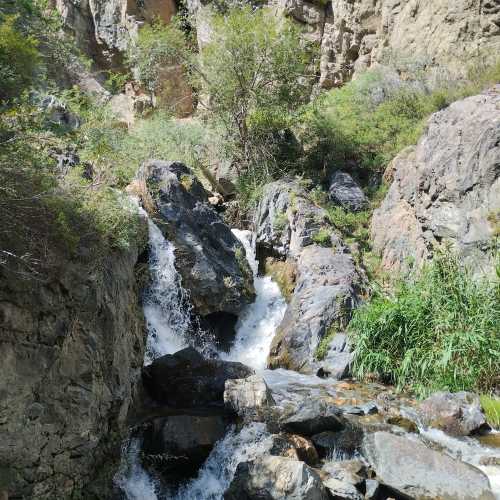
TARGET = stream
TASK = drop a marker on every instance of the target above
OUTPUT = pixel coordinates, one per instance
(168, 312)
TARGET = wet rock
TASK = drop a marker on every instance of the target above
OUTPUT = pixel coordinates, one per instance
(208, 256)
(346, 192)
(57, 113)
(340, 490)
(403, 422)
(446, 190)
(247, 396)
(304, 448)
(313, 417)
(187, 380)
(344, 443)
(372, 488)
(337, 363)
(412, 469)
(275, 478)
(327, 289)
(179, 444)
(458, 414)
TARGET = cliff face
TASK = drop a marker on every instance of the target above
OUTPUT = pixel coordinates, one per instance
(355, 34)
(71, 348)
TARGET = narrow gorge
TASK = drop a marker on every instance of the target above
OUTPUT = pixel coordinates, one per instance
(250, 250)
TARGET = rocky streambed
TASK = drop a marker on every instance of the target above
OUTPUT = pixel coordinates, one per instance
(212, 422)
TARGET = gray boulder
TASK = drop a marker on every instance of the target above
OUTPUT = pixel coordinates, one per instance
(187, 380)
(327, 289)
(247, 396)
(411, 469)
(341, 490)
(346, 192)
(446, 190)
(313, 417)
(458, 414)
(275, 478)
(337, 362)
(286, 220)
(209, 257)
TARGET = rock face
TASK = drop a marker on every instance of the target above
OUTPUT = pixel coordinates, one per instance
(446, 190)
(458, 414)
(337, 362)
(414, 470)
(346, 192)
(275, 478)
(208, 256)
(187, 380)
(71, 348)
(356, 34)
(326, 291)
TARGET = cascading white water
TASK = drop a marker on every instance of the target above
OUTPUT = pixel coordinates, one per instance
(166, 304)
(218, 471)
(258, 322)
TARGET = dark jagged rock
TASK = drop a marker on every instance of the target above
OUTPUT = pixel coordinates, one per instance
(176, 446)
(187, 380)
(416, 471)
(209, 257)
(346, 192)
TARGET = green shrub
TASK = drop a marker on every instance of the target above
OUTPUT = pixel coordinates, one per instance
(19, 58)
(324, 344)
(491, 407)
(323, 237)
(439, 330)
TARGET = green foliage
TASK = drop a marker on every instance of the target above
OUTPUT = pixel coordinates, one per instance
(371, 119)
(323, 237)
(115, 82)
(19, 58)
(251, 70)
(440, 330)
(324, 344)
(491, 407)
(280, 221)
(158, 46)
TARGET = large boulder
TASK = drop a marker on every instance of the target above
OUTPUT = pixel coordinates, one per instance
(209, 258)
(313, 417)
(179, 444)
(327, 289)
(346, 192)
(187, 380)
(446, 190)
(412, 469)
(275, 478)
(458, 414)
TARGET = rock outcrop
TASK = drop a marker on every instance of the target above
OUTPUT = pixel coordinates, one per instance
(356, 34)
(412, 469)
(288, 225)
(209, 258)
(447, 190)
(72, 347)
(346, 192)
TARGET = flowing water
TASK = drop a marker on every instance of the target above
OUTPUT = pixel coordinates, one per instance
(168, 316)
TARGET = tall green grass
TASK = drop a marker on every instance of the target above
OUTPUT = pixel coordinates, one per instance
(440, 330)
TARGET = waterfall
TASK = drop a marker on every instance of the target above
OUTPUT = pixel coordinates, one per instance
(258, 322)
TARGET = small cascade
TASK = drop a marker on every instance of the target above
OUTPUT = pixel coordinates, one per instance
(166, 304)
(258, 322)
(216, 475)
(132, 479)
